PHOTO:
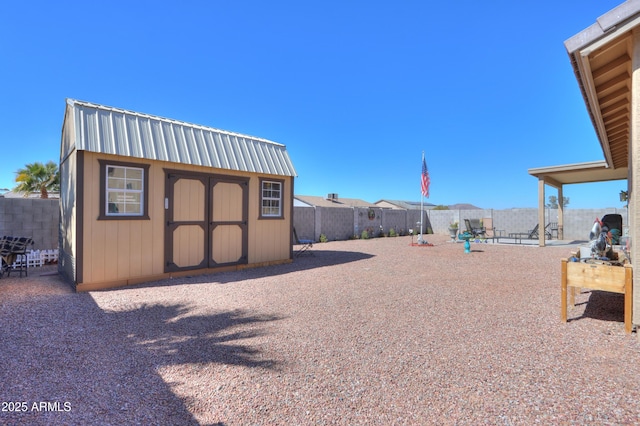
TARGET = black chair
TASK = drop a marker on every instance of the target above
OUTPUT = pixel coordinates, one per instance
(13, 250)
(614, 223)
(475, 229)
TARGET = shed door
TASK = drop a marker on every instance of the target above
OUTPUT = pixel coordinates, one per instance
(229, 217)
(206, 221)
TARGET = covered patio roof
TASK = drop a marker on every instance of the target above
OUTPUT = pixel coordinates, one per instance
(601, 57)
(593, 171)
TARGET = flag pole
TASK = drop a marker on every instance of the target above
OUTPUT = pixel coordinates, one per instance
(422, 208)
(425, 181)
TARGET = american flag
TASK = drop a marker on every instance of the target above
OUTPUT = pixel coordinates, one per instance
(425, 178)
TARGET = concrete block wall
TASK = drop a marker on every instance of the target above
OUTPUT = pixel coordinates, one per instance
(396, 220)
(578, 225)
(39, 219)
(414, 219)
(31, 217)
(440, 220)
(334, 222)
(369, 219)
(304, 222)
(516, 220)
(343, 223)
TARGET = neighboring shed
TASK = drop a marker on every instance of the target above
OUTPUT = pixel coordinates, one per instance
(145, 198)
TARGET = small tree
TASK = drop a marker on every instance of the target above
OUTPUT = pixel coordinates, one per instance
(553, 202)
(38, 177)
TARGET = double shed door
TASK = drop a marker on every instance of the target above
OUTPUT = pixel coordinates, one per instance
(206, 220)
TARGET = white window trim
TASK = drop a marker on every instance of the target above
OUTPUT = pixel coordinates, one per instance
(105, 190)
(125, 191)
(278, 199)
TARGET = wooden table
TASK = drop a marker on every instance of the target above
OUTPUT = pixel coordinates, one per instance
(595, 276)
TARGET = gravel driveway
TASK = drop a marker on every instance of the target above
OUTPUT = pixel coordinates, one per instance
(363, 332)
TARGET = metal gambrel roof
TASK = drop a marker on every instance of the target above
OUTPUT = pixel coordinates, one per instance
(116, 131)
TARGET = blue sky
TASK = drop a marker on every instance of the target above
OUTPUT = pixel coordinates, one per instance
(356, 90)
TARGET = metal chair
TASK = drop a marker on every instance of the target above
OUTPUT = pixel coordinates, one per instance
(13, 255)
(475, 229)
(304, 244)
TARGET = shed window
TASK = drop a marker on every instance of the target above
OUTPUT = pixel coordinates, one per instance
(124, 189)
(271, 199)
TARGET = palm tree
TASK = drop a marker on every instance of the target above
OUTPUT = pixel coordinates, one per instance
(38, 177)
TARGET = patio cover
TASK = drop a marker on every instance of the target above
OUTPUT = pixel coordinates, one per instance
(602, 57)
(558, 176)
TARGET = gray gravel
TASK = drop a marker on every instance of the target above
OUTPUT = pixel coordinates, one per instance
(364, 332)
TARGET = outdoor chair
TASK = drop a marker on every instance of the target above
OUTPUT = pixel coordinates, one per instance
(532, 234)
(304, 245)
(475, 229)
(13, 250)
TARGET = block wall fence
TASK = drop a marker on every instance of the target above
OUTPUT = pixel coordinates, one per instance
(339, 223)
(39, 219)
(31, 217)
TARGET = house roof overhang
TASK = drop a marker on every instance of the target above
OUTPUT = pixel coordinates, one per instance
(601, 57)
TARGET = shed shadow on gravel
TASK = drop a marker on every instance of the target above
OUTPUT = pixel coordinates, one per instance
(318, 259)
(106, 364)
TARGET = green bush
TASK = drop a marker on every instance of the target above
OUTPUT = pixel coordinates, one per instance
(392, 232)
(364, 235)
(323, 238)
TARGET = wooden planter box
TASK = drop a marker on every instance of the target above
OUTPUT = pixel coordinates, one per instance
(615, 279)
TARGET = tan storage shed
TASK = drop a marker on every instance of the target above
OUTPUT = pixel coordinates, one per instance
(146, 198)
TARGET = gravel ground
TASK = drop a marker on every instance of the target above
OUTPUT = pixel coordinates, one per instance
(363, 332)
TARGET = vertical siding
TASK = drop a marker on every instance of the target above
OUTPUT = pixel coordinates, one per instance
(117, 250)
(269, 239)
(156, 225)
(68, 208)
(121, 249)
(68, 191)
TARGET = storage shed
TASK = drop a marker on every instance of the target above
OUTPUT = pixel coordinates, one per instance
(146, 198)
